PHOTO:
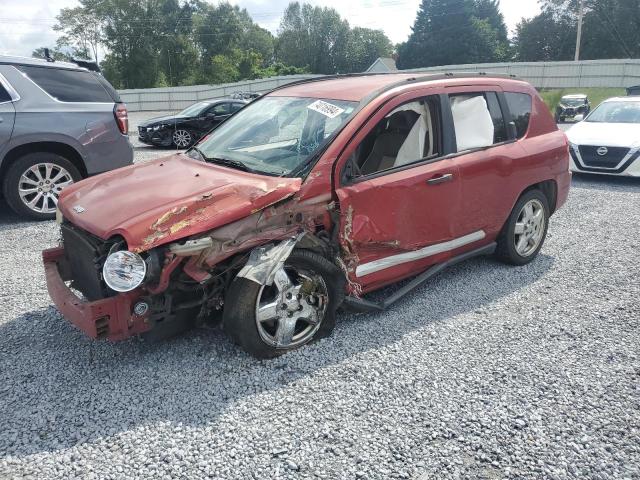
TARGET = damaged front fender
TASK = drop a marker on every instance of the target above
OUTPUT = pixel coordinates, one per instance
(266, 260)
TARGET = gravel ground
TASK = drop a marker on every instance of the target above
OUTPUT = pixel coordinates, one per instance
(487, 371)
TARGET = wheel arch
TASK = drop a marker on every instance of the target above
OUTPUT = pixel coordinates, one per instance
(59, 148)
(550, 190)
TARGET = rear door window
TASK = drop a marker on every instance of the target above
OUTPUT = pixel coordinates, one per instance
(478, 120)
(520, 108)
(68, 85)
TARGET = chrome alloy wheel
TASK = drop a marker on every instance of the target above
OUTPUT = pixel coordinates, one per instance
(40, 185)
(529, 228)
(181, 138)
(290, 312)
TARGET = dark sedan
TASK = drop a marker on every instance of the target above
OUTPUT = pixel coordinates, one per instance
(185, 128)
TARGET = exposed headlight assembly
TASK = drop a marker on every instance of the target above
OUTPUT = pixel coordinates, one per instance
(124, 271)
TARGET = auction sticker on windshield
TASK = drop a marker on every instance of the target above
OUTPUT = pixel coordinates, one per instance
(325, 108)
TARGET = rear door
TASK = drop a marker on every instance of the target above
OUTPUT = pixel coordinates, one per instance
(398, 216)
(7, 111)
(486, 154)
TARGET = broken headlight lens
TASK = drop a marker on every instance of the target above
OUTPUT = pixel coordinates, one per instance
(124, 271)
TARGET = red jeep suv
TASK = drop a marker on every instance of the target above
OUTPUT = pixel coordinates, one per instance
(307, 199)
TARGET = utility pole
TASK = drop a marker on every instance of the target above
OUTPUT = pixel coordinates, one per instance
(579, 38)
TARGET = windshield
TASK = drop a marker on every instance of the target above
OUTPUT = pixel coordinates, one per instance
(616, 112)
(194, 110)
(572, 102)
(276, 135)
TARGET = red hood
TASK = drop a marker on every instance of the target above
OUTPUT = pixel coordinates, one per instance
(171, 198)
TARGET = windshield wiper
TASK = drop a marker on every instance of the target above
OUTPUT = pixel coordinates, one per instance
(227, 162)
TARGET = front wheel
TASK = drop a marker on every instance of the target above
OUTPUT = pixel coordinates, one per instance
(182, 138)
(298, 308)
(526, 229)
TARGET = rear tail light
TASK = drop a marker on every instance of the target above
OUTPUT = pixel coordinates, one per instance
(122, 117)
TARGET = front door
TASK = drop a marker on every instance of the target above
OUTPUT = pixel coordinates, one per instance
(400, 194)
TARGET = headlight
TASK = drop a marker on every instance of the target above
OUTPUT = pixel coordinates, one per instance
(124, 271)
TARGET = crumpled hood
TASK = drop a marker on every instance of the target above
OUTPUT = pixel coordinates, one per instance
(168, 199)
(605, 134)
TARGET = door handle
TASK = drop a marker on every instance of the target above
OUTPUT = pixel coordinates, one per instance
(446, 177)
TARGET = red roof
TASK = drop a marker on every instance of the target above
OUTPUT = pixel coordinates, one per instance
(357, 87)
(346, 88)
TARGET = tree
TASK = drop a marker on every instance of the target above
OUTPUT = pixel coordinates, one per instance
(318, 38)
(151, 43)
(448, 32)
(609, 31)
(314, 37)
(545, 37)
(490, 22)
(364, 46)
(81, 31)
(54, 53)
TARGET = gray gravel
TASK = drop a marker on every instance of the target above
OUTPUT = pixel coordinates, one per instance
(486, 372)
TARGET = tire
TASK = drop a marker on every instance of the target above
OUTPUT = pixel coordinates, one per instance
(32, 172)
(521, 248)
(182, 138)
(245, 297)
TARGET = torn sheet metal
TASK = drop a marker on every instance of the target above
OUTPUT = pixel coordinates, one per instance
(266, 260)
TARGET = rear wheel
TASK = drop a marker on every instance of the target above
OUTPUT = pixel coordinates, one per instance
(526, 229)
(33, 184)
(269, 320)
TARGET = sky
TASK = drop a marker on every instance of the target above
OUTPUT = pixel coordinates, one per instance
(28, 24)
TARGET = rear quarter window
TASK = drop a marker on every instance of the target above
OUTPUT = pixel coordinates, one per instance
(4, 95)
(68, 85)
(520, 108)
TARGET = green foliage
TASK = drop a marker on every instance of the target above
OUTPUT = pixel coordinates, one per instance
(54, 53)
(610, 30)
(81, 31)
(449, 32)
(319, 40)
(365, 46)
(545, 37)
(596, 95)
(168, 42)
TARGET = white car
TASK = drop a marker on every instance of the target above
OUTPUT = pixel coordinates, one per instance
(607, 141)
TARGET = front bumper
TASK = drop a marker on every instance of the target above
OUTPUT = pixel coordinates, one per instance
(111, 318)
(630, 165)
(160, 138)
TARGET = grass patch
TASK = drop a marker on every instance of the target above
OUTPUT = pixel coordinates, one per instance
(596, 95)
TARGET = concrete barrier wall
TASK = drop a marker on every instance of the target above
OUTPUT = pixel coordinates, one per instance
(177, 98)
(586, 73)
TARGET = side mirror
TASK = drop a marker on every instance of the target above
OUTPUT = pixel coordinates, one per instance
(579, 117)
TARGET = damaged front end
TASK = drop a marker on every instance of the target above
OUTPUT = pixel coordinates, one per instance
(110, 292)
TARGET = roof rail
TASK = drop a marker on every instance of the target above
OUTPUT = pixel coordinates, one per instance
(423, 78)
